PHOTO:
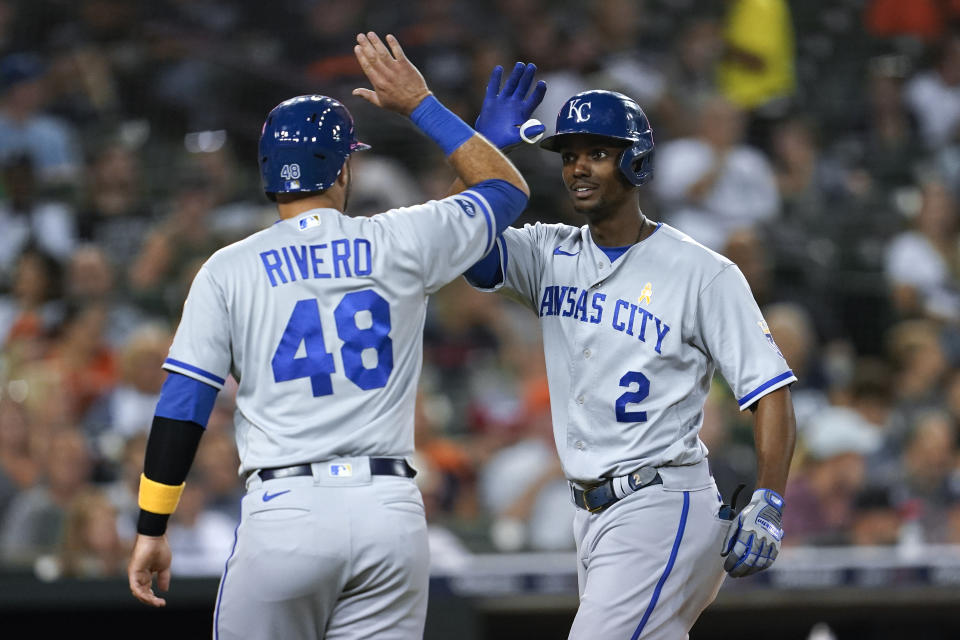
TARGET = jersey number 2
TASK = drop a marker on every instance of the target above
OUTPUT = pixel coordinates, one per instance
(629, 379)
(305, 327)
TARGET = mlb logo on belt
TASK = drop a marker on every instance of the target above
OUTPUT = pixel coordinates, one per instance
(341, 470)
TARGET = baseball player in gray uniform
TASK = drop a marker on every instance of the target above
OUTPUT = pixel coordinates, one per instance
(319, 318)
(636, 318)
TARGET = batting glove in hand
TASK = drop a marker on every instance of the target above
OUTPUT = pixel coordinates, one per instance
(505, 110)
(753, 539)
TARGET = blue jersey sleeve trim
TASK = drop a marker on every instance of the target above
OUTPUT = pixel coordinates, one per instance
(185, 398)
(503, 199)
(485, 208)
(747, 399)
(197, 370)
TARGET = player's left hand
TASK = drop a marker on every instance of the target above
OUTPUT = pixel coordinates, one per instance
(151, 555)
(503, 111)
(753, 539)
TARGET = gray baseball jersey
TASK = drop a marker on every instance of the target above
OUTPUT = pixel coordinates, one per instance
(320, 319)
(631, 346)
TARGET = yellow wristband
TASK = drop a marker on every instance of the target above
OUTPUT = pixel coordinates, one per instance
(157, 497)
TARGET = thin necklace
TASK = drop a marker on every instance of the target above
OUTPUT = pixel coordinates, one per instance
(643, 223)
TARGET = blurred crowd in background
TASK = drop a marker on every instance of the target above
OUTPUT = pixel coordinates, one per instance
(816, 143)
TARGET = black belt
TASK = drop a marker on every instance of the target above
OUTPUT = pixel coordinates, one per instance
(599, 497)
(378, 467)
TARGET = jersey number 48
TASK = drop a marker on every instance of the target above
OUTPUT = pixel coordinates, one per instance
(305, 328)
(290, 172)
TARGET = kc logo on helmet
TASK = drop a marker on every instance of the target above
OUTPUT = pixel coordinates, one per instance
(577, 110)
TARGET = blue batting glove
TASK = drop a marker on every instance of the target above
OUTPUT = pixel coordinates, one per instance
(505, 110)
(753, 539)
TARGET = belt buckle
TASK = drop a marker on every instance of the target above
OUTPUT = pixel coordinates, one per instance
(586, 503)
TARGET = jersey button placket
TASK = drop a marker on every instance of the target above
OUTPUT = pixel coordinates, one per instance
(581, 335)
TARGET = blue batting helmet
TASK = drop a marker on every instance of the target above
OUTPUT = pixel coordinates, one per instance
(304, 143)
(611, 115)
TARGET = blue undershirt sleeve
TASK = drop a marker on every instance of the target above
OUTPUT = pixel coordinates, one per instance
(507, 203)
(185, 398)
(487, 272)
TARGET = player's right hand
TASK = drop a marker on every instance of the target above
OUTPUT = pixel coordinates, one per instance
(753, 538)
(397, 84)
(503, 111)
(151, 555)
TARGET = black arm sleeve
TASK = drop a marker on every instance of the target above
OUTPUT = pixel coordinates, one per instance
(171, 448)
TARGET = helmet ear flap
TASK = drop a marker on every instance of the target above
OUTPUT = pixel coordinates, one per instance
(636, 164)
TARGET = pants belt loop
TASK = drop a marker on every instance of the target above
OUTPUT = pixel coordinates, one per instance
(621, 488)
